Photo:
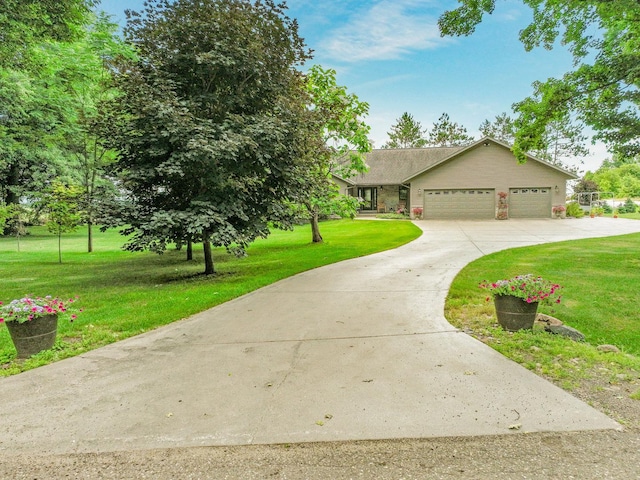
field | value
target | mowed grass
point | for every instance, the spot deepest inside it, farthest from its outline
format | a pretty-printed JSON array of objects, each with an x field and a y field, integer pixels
[
  {"x": 600, "y": 298},
  {"x": 123, "y": 294}
]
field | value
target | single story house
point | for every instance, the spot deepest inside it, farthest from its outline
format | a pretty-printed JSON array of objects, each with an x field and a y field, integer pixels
[{"x": 459, "y": 182}]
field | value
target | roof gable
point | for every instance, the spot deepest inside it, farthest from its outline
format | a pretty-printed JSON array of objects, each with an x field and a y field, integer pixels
[
  {"x": 483, "y": 142},
  {"x": 395, "y": 166}
]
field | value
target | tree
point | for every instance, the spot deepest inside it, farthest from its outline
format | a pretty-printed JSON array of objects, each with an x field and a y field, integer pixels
[
  {"x": 87, "y": 83},
  {"x": 502, "y": 128},
  {"x": 343, "y": 143},
  {"x": 210, "y": 124},
  {"x": 33, "y": 103},
  {"x": 25, "y": 23},
  {"x": 446, "y": 133},
  {"x": 406, "y": 133},
  {"x": 60, "y": 202},
  {"x": 602, "y": 91},
  {"x": 561, "y": 141}
]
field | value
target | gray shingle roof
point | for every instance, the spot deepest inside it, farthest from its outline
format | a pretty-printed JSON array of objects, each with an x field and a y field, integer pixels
[{"x": 392, "y": 166}]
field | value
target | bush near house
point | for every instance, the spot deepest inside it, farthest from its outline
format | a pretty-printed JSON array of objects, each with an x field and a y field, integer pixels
[{"x": 574, "y": 210}]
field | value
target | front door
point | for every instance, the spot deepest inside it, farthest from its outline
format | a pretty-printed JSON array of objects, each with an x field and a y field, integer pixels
[{"x": 369, "y": 195}]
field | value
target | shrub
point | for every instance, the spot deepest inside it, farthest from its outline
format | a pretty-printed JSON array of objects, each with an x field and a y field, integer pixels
[
  {"x": 574, "y": 210},
  {"x": 628, "y": 207}
]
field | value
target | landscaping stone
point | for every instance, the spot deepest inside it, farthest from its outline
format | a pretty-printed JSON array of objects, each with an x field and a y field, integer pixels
[
  {"x": 566, "y": 331},
  {"x": 547, "y": 319},
  {"x": 608, "y": 348}
]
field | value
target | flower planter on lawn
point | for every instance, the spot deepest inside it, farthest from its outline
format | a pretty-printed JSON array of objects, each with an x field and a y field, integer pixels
[
  {"x": 33, "y": 336},
  {"x": 515, "y": 313}
]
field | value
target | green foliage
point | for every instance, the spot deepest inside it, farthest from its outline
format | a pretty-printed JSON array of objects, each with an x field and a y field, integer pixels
[
  {"x": 502, "y": 128},
  {"x": 628, "y": 207},
  {"x": 406, "y": 133},
  {"x": 212, "y": 124},
  {"x": 602, "y": 90},
  {"x": 446, "y": 133},
  {"x": 124, "y": 294},
  {"x": 60, "y": 202},
  {"x": 623, "y": 180},
  {"x": 339, "y": 143},
  {"x": 574, "y": 210},
  {"x": 25, "y": 23}
]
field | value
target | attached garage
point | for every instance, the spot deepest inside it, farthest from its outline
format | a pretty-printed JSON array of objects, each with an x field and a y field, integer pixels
[
  {"x": 529, "y": 202},
  {"x": 459, "y": 203}
]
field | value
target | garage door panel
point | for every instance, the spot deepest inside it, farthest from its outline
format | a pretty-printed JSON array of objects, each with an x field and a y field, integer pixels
[
  {"x": 530, "y": 202},
  {"x": 459, "y": 203}
]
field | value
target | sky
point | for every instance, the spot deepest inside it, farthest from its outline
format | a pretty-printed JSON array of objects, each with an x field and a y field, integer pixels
[{"x": 391, "y": 55}]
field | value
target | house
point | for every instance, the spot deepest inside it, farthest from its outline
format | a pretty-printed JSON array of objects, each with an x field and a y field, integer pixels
[{"x": 458, "y": 182}]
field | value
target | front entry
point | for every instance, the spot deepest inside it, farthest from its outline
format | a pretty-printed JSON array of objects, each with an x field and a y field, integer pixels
[{"x": 369, "y": 195}]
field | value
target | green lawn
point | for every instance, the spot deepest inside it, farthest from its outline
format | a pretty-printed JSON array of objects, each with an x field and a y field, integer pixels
[
  {"x": 600, "y": 279},
  {"x": 124, "y": 294}
]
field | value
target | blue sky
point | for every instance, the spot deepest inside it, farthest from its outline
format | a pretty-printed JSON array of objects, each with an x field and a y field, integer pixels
[{"x": 390, "y": 54}]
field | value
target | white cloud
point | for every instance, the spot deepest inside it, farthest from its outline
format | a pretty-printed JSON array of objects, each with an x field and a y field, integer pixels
[{"x": 387, "y": 31}]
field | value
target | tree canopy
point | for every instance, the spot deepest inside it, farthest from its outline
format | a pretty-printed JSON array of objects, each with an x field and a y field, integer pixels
[
  {"x": 602, "y": 90},
  {"x": 562, "y": 143},
  {"x": 406, "y": 133},
  {"x": 446, "y": 133},
  {"x": 210, "y": 125}
]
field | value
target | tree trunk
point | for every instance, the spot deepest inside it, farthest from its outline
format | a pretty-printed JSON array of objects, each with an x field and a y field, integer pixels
[
  {"x": 208, "y": 257},
  {"x": 89, "y": 236},
  {"x": 315, "y": 229},
  {"x": 11, "y": 198},
  {"x": 189, "y": 250}
]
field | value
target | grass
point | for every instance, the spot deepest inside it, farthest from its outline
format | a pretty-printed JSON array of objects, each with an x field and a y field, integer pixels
[
  {"x": 124, "y": 294},
  {"x": 600, "y": 298}
]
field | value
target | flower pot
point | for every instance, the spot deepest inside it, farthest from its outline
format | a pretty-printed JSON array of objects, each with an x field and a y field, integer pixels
[
  {"x": 515, "y": 313},
  {"x": 33, "y": 336}
]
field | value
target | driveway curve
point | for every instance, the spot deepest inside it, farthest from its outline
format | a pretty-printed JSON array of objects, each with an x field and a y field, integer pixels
[{"x": 351, "y": 351}]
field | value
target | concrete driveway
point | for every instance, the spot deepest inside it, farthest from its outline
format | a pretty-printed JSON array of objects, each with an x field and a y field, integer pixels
[{"x": 355, "y": 350}]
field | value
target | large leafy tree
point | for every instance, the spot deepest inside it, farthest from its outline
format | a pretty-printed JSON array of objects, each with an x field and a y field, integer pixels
[
  {"x": 446, "y": 133},
  {"x": 33, "y": 102},
  {"x": 25, "y": 23},
  {"x": 209, "y": 126},
  {"x": 341, "y": 143},
  {"x": 602, "y": 90},
  {"x": 406, "y": 133}
]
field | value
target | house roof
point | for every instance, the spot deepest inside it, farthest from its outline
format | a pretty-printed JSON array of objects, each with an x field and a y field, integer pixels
[
  {"x": 393, "y": 166},
  {"x": 399, "y": 165}
]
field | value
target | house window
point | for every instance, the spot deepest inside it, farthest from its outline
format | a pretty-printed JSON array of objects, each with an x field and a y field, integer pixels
[{"x": 403, "y": 194}]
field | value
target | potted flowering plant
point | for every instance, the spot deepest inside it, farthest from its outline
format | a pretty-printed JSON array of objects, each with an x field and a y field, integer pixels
[
  {"x": 33, "y": 322},
  {"x": 516, "y": 299},
  {"x": 417, "y": 212},
  {"x": 558, "y": 211}
]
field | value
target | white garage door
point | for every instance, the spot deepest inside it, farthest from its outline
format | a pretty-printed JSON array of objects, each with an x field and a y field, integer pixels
[
  {"x": 529, "y": 202},
  {"x": 467, "y": 203}
]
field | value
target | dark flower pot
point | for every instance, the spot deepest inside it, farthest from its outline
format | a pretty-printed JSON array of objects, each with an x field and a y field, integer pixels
[
  {"x": 515, "y": 313},
  {"x": 33, "y": 336}
]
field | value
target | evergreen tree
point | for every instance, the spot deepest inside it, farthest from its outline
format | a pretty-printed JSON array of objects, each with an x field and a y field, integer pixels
[
  {"x": 446, "y": 133},
  {"x": 406, "y": 133}
]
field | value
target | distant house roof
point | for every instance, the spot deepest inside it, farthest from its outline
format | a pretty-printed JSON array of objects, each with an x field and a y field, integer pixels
[{"x": 396, "y": 166}]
